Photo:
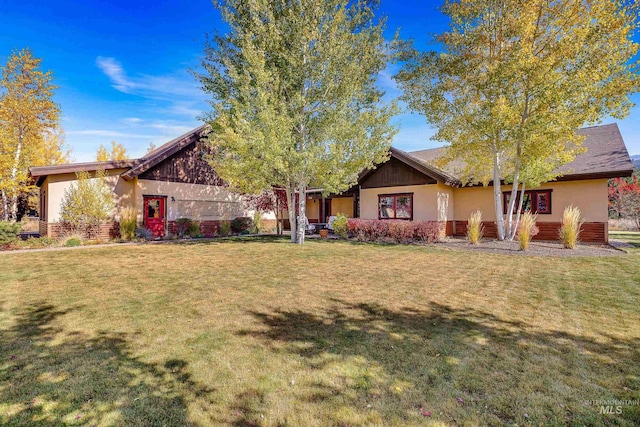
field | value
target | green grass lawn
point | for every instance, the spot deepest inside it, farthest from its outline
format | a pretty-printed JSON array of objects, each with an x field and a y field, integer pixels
[
  {"x": 262, "y": 332},
  {"x": 630, "y": 237}
]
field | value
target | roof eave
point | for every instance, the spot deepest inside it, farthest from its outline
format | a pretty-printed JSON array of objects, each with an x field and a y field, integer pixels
[
  {"x": 625, "y": 173},
  {"x": 40, "y": 173}
]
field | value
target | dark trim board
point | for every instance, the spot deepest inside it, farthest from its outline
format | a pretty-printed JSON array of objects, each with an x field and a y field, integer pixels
[
  {"x": 591, "y": 232},
  {"x": 415, "y": 173}
]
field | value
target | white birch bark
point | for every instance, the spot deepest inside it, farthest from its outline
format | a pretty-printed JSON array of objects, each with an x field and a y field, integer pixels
[
  {"x": 517, "y": 223},
  {"x": 510, "y": 228},
  {"x": 497, "y": 196},
  {"x": 302, "y": 212},
  {"x": 13, "y": 208},
  {"x": 5, "y": 206},
  {"x": 291, "y": 203}
]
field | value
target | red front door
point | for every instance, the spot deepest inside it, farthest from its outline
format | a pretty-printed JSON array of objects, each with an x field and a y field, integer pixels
[{"x": 154, "y": 210}]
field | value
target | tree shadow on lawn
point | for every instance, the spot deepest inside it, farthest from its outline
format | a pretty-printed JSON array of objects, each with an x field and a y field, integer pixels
[
  {"x": 463, "y": 366},
  {"x": 47, "y": 378}
]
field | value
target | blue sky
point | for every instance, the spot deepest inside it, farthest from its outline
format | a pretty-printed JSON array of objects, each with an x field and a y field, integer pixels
[{"x": 122, "y": 67}]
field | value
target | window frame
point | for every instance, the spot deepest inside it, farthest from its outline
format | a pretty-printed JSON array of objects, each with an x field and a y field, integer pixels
[
  {"x": 43, "y": 205},
  {"x": 533, "y": 196},
  {"x": 395, "y": 206}
]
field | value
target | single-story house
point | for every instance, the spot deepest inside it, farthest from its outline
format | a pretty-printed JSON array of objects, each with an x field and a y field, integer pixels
[
  {"x": 171, "y": 182},
  {"x": 174, "y": 181}
]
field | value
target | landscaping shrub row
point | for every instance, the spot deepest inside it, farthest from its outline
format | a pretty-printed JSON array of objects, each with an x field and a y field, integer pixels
[{"x": 399, "y": 231}]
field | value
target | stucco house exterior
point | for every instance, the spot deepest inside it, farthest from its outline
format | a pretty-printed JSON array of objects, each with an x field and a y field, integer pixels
[
  {"x": 171, "y": 182},
  {"x": 174, "y": 181}
]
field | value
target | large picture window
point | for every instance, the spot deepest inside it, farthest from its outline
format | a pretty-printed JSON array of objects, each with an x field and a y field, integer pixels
[
  {"x": 395, "y": 206},
  {"x": 535, "y": 201}
]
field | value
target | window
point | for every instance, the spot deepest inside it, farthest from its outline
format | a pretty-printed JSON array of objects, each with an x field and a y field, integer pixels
[
  {"x": 536, "y": 201},
  {"x": 153, "y": 209},
  {"x": 43, "y": 205},
  {"x": 395, "y": 206}
]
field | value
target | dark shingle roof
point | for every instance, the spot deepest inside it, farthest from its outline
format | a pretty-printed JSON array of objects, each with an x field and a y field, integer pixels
[
  {"x": 606, "y": 156},
  {"x": 606, "y": 153}
]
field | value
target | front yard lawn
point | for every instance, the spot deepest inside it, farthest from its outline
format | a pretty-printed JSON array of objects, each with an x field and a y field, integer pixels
[
  {"x": 631, "y": 238},
  {"x": 262, "y": 332}
]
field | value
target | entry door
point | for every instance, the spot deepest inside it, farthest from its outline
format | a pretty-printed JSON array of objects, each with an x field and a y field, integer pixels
[
  {"x": 327, "y": 210},
  {"x": 154, "y": 213}
]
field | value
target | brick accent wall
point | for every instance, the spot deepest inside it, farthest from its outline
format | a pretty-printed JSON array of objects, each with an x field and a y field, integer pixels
[
  {"x": 207, "y": 228},
  {"x": 210, "y": 228},
  {"x": 591, "y": 232},
  {"x": 108, "y": 230}
]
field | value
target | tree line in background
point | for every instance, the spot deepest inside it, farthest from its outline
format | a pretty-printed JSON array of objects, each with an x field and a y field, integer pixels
[{"x": 624, "y": 198}]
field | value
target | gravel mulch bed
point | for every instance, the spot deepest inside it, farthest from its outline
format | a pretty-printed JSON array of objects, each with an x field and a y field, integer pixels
[{"x": 536, "y": 248}]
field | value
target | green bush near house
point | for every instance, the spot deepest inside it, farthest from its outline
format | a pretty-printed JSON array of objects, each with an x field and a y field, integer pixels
[
  {"x": 194, "y": 229},
  {"x": 225, "y": 228},
  {"x": 38, "y": 242},
  {"x": 87, "y": 203},
  {"x": 9, "y": 232},
  {"x": 182, "y": 225},
  {"x": 72, "y": 242},
  {"x": 241, "y": 223},
  {"x": 339, "y": 225}
]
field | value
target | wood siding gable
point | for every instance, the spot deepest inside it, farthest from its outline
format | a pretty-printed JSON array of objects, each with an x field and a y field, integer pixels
[
  {"x": 186, "y": 166},
  {"x": 395, "y": 173}
]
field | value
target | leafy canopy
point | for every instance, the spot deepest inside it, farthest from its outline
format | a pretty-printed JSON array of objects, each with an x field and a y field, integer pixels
[
  {"x": 293, "y": 93},
  {"x": 515, "y": 80},
  {"x": 28, "y": 117}
]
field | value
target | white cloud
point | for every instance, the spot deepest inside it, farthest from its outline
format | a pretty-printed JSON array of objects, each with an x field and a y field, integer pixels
[
  {"x": 149, "y": 86},
  {"x": 132, "y": 120},
  {"x": 113, "y": 69}
]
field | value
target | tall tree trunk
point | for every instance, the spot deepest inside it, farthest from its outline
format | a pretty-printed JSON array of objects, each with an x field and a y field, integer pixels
[
  {"x": 302, "y": 212},
  {"x": 517, "y": 223},
  {"x": 13, "y": 208},
  {"x": 5, "y": 206},
  {"x": 291, "y": 203},
  {"x": 497, "y": 196},
  {"x": 278, "y": 219},
  {"x": 510, "y": 228}
]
